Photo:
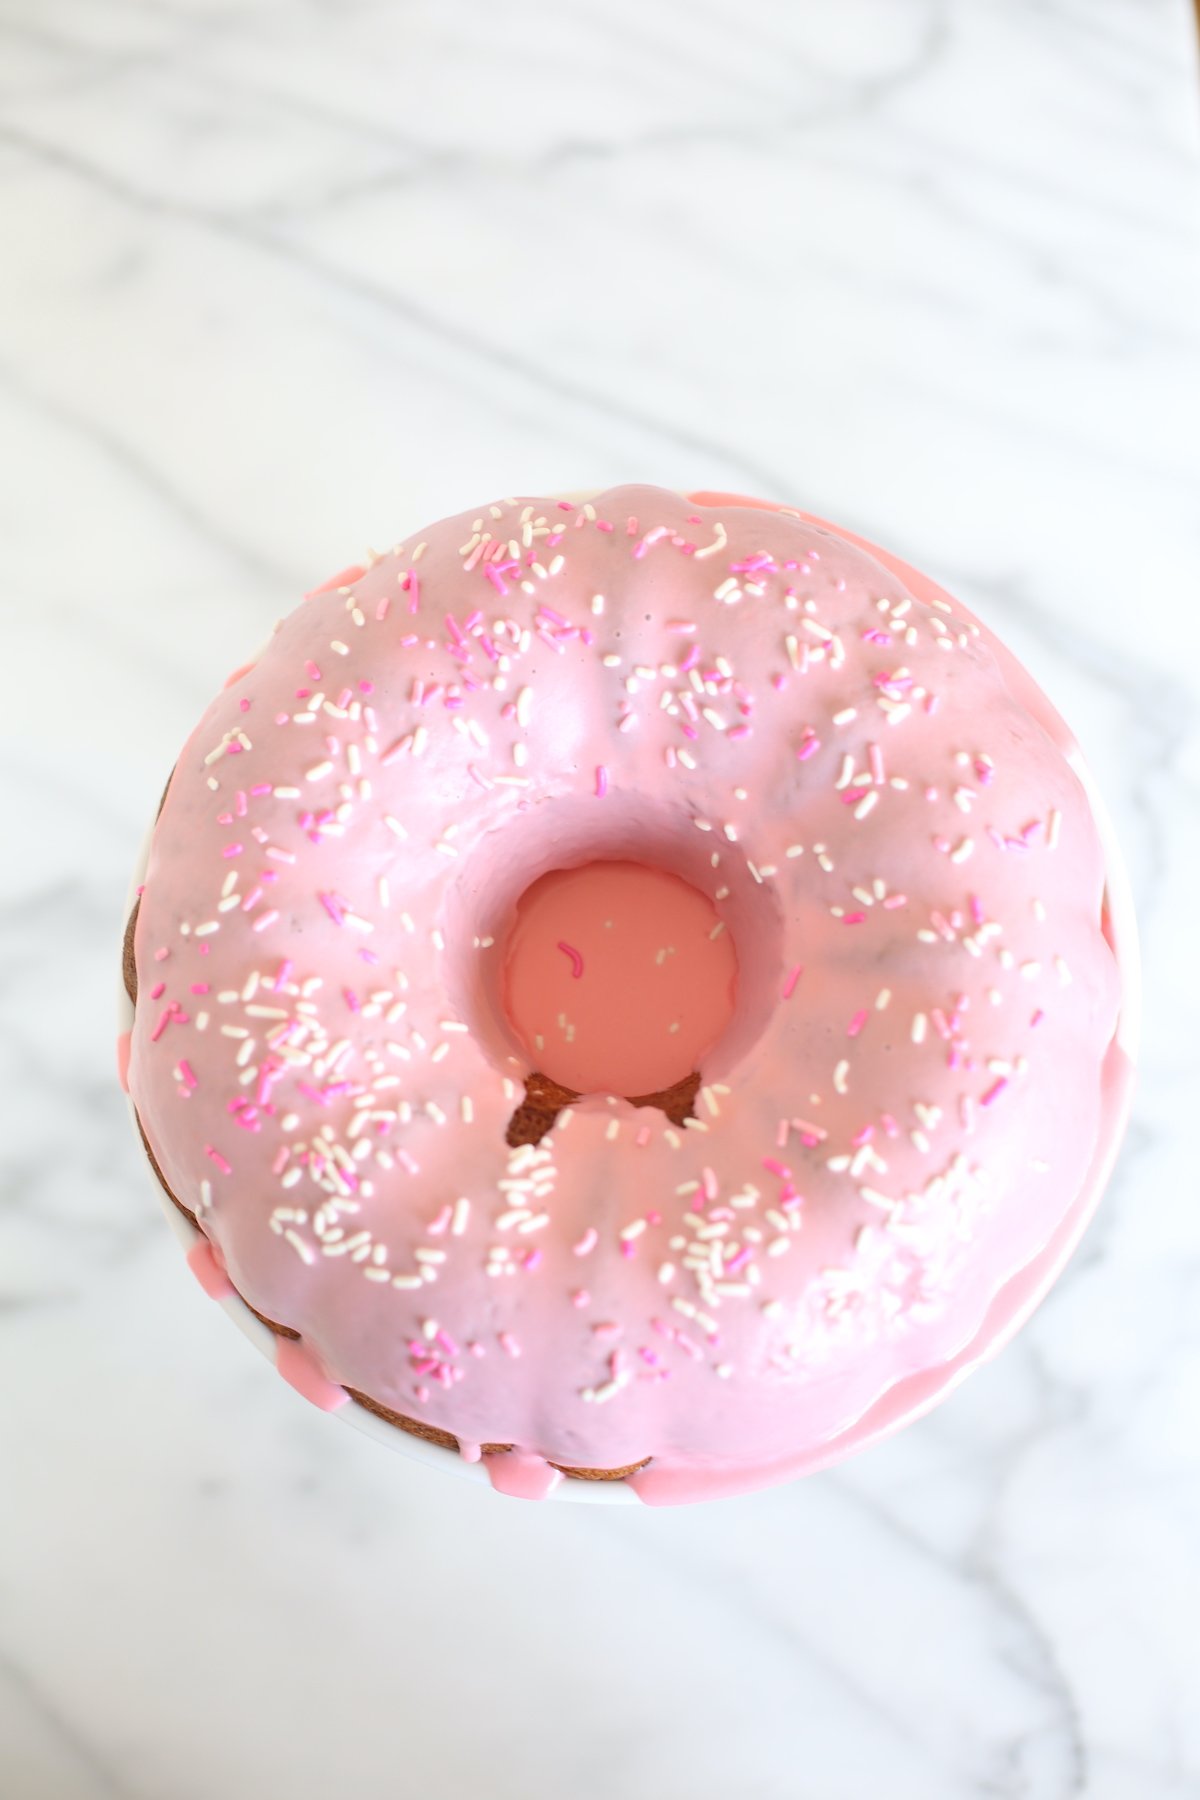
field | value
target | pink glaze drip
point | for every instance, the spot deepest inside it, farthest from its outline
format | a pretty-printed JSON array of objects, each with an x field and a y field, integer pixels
[
  {"x": 613, "y": 979},
  {"x": 204, "y": 1260},
  {"x": 521, "y": 1475},
  {"x": 124, "y": 1041},
  {"x": 301, "y": 1370},
  {"x": 843, "y": 763}
]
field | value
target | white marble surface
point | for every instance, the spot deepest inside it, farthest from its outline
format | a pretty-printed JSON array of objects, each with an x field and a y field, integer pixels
[{"x": 279, "y": 279}]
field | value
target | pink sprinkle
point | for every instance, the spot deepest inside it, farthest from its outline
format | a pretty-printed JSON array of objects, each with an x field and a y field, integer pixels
[
  {"x": 215, "y": 1156},
  {"x": 576, "y": 958},
  {"x": 1038, "y": 1016},
  {"x": 199, "y": 987},
  {"x": 793, "y": 976},
  {"x": 601, "y": 781},
  {"x": 334, "y": 907},
  {"x": 186, "y": 1075},
  {"x": 164, "y": 1019},
  {"x": 531, "y": 1259},
  {"x": 232, "y": 850},
  {"x": 580, "y": 1298},
  {"x": 809, "y": 747},
  {"x": 857, "y": 1022},
  {"x": 776, "y": 1168},
  {"x": 158, "y": 990},
  {"x": 995, "y": 1091},
  {"x": 508, "y": 1343},
  {"x": 285, "y": 969},
  {"x": 854, "y": 918}
]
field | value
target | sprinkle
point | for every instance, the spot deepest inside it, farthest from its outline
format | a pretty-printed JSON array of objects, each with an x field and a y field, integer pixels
[
  {"x": 601, "y": 781},
  {"x": 1052, "y": 829},
  {"x": 857, "y": 1022},
  {"x": 839, "y": 1077},
  {"x": 216, "y": 1157},
  {"x": 793, "y": 976},
  {"x": 844, "y": 717},
  {"x": 868, "y": 803},
  {"x": 590, "y": 1238},
  {"x": 994, "y": 1092},
  {"x": 575, "y": 957},
  {"x": 318, "y": 771}
]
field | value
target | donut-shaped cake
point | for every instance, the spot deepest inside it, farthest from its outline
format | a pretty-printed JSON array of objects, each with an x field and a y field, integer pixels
[{"x": 624, "y": 988}]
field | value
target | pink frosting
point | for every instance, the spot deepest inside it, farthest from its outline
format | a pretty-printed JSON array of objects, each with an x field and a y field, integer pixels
[
  {"x": 903, "y": 1128},
  {"x": 204, "y": 1260},
  {"x": 301, "y": 1370}
]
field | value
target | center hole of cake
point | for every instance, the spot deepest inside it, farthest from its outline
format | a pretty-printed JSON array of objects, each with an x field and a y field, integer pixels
[{"x": 618, "y": 977}]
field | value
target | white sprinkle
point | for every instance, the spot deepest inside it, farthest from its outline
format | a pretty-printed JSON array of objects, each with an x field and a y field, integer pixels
[
  {"x": 868, "y": 803},
  {"x": 839, "y": 1077},
  {"x": 318, "y": 771}
]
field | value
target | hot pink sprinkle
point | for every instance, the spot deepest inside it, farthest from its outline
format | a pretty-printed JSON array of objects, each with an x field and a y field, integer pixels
[
  {"x": 576, "y": 958},
  {"x": 857, "y": 1022},
  {"x": 854, "y": 918},
  {"x": 158, "y": 990},
  {"x": 995, "y": 1091},
  {"x": 215, "y": 1156},
  {"x": 793, "y": 976},
  {"x": 186, "y": 1075},
  {"x": 776, "y": 1168}
]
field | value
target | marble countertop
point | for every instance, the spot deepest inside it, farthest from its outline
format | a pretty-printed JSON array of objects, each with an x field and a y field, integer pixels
[{"x": 284, "y": 279}]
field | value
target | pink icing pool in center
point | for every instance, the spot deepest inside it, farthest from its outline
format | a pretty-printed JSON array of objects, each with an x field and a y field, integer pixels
[{"x": 618, "y": 977}]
